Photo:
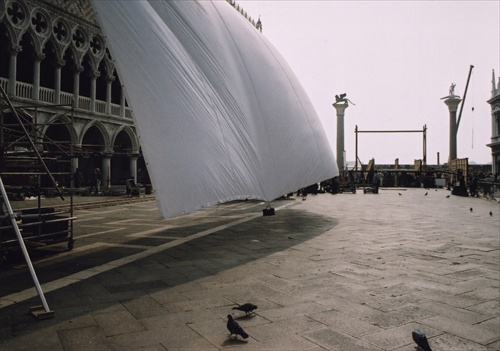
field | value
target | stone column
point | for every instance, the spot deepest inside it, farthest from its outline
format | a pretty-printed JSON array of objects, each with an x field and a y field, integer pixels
[
  {"x": 14, "y": 50},
  {"x": 93, "y": 80},
  {"x": 122, "y": 102},
  {"x": 76, "y": 84},
  {"x": 133, "y": 166},
  {"x": 106, "y": 171},
  {"x": 57, "y": 81},
  {"x": 109, "y": 82},
  {"x": 340, "y": 107},
  {"x": 452, "y": 102},
  {"x": 35, "y": 94}
]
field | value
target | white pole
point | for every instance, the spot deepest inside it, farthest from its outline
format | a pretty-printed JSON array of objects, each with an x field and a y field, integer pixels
[{"x": 12, "y": 217}]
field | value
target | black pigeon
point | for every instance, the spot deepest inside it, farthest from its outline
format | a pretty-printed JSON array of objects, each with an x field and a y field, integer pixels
[
  {"x": 491, "y": 213},
  {"x": 421, "y": 340},
  {"x": 249, "y": 307},
  {"x": 234, "y": 327},
  {"x": 471, "y": 209},
  {"x": 447, "y": 196},
  {"x": 425, "y": 194},
  {"x": 399, "y": 193}
]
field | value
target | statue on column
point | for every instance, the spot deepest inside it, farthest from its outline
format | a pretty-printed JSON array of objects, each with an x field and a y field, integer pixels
[
  {"x": 452, "y": 89},
  {"x": 342, "y": 98}
]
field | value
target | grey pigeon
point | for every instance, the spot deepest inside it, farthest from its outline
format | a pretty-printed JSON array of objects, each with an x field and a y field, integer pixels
[
  {"x": 421, "y": 340},
  {"x": 234, "y": 327},
  {"x": 249, "y": 307}
]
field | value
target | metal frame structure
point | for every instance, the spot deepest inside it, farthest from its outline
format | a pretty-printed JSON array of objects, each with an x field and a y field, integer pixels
[
  {"x": 423, "y": 131},
  {"x": 43, "y": 226}
]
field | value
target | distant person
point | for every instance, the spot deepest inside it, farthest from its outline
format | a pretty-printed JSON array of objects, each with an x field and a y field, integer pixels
[
  {"x": 77, "y": 178},
  {"x": 381, "y": 179},
  {"x": 488, "y": 185},
  {"x": 474, "y": 186},
  {"x": 96, "y": 181}
]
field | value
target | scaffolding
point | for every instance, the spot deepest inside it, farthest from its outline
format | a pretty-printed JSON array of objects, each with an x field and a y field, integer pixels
[{"x": 29, "y": 165}]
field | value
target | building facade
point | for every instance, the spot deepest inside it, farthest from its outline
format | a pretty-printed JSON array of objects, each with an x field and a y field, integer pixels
[
  {"x": 53, "y": 56},
  {"x": 495, "y": 124}
]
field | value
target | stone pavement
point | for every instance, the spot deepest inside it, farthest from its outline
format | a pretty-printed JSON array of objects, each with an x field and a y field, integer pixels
[{"x": 333, "y": 272}]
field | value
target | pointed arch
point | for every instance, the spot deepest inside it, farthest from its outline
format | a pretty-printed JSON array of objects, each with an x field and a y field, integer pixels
[
  {"x": 68, "y": 70},
  {"x": 48, "y": 65},
  {"x": 5, "y": 44},
  {"x": 131, "y": 134},
  {"x": 104, "y": 144},
  {"x": 25, "y": 59},
  {"x": 65, "y": 121}
]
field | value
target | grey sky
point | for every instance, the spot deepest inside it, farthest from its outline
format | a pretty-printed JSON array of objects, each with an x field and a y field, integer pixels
[{"x": 395, "y": 60}]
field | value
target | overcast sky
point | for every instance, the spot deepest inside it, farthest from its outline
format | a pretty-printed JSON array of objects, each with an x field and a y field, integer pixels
[{"x": 395, "y": 60}]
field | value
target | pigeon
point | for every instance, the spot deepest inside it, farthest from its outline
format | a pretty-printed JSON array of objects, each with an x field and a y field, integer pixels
[
  {"x": 447, "y": 196},
  {"x": 421, "y": 340},
  {"x": 491, "y": 213},
  {"x": 234, "y": 327},
  {"x": 425, "y": 194},
  {"x": 249, "y": 307},
  {"x": 471, "y": 209},
  {"x": 399, "y": 194}
]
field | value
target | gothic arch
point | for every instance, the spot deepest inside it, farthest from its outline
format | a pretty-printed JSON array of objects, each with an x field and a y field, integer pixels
[
  {"x": 17, "y": 15},
  {"x": 97, "y": 48},
  {"x": 40, "y": 28},
  {"x": 48, "y": 64},
  {"x": 67, "y": 71},
  {"x": 106, "y": 146},
  {"x": 61, "y": 33},
  {"x": 79, "y": 42},
  {"x": 108, "y": 63},
  {"x": 101, "y": 81},
  {"x": 24, "y": 59},
  {"x": 64, "y": 120},
  {"x": 5, "y": 44},
  {"x": 133, "y": 138}
]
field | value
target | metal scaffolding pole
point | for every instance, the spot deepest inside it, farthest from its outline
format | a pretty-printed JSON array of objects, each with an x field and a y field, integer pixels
[{"x": 35, "y": 310}]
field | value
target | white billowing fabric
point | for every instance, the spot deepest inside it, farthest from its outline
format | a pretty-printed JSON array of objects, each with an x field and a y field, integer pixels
[{"x": 219, "y": 113}]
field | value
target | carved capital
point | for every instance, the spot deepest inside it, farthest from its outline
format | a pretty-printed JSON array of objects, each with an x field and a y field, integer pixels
[
  {"x": 15, "y": 49},
  {"x": 94, "y": 74},
  {"x": 38, "y": 56}
]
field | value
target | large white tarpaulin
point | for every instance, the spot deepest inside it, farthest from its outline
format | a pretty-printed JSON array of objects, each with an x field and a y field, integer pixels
[{"x": 219, "y": 113}]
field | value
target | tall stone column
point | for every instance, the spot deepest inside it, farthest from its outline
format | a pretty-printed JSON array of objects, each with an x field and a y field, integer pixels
[
  {"x": 133, "y": 166},
  {"x": 452, "y": 101},
  {"x": 76, "y": 84},
  {"x": 93, "y": 81},
  {"x": 340, "y": 107},
  {"x": 122, "y": 102},
  {"x": 57, "y": 81},
  {"x": 106, "y": 171},
  {"x": 109, "y": 85},
  {"x": 14, "y": 50},
  {"x": 35, "y": 94}
]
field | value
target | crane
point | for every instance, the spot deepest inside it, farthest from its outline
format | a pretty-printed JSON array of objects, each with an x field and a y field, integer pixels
[{"x": 463, "y": 101}]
